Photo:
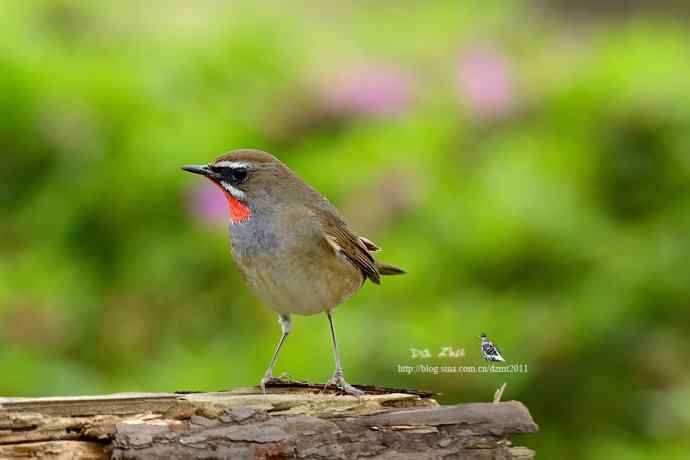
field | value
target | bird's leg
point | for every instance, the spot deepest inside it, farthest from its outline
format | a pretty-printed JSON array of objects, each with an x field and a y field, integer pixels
[
  {"x": 286, "y": 327},
  {"x": 338, "y": 378}
]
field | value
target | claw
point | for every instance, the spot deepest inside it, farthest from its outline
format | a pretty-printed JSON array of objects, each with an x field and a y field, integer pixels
[
  {"x": 338, "y": 381},
  {"x": 264, "y": 381},
  {"x": 270, "y": 380}
]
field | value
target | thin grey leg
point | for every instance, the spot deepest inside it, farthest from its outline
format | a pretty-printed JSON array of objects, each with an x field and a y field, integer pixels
[
  {"x": 286, "y": 327},
  {"x": 338, "y": 378}
]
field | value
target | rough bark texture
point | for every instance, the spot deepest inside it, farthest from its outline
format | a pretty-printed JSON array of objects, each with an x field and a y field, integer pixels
[{"x": 291, "y": 421}]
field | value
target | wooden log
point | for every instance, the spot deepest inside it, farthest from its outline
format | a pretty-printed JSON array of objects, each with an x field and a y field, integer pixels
[{"x": 291, "y": 421}]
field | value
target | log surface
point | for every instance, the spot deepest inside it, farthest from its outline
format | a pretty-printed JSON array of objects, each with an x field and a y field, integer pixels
[{"x": 291, "y": 421}]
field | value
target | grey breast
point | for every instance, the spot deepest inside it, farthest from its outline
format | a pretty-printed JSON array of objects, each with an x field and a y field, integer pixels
[{"x": 254, "y": 237}]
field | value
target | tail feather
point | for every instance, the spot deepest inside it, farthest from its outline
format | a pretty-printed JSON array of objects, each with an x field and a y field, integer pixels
[{"x": 386, "y": 269}]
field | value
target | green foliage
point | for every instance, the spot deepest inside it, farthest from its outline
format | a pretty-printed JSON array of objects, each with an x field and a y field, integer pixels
[{"x": 559, "y": 227}]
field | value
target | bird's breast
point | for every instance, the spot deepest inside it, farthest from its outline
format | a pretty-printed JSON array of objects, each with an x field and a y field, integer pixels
[
  {"x": 254, "y": 237},
  {"x": 291, "y": 271}
]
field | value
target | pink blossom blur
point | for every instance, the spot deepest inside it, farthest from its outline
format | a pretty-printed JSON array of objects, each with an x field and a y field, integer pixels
[
  {"x": 371, "y": 90},
  {"x": 207, "y": 204},
  {"x": 485, "y": 81}
]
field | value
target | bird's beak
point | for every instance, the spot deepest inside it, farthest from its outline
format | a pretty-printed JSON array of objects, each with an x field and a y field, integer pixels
[{"x": 201, "y": 170}]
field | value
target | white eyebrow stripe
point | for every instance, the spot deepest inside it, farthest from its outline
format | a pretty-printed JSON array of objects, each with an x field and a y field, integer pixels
[{"x": 232, "y": 164}]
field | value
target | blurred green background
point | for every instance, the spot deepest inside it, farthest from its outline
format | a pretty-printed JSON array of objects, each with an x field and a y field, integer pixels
[{"x": 527, "y": 162}]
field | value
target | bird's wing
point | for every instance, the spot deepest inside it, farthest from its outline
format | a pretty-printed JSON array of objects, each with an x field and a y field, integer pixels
[
  {"x": 370, "y": 245},
  {"x": 353, "y": 247}
]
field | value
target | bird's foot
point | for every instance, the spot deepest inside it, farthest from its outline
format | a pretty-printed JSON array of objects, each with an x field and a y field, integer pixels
[
  {"x": 338, "y": 381},
  {"x": 268, "y": 379}
]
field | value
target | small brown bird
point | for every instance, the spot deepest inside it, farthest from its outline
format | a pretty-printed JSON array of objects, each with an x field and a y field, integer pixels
[{"x": 291, "y": 244}]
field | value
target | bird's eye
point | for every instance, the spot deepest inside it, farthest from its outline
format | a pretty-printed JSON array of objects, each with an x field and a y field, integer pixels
[
  {"x": 238, "y": 176},
  {"x": 235, "y": 176}
]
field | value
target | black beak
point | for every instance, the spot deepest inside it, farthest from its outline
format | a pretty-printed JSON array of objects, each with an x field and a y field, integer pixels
[{"x": 201, "y": 170}]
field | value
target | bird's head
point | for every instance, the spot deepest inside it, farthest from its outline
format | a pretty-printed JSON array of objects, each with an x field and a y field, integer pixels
[{"x": 250, "y": 179}]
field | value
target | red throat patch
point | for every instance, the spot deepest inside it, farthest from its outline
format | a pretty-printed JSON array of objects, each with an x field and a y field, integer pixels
[{"x": 238, "y": 212}]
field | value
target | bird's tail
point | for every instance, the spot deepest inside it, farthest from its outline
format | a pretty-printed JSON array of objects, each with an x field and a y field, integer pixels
[{"x": 386, "y": 269}]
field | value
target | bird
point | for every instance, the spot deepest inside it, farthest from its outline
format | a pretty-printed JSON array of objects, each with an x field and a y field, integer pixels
[
  {"x": 291, "y": 245},
  {"x": 489, "y": 350}
]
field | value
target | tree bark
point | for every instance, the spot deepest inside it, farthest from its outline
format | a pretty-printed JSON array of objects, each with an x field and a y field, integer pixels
[{"x": 291, "y": 421}]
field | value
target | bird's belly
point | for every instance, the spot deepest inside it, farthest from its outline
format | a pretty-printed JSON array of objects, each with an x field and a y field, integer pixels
[
  {"x": 304, "y": 285},
  {"x": 306, "y": 290}
]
